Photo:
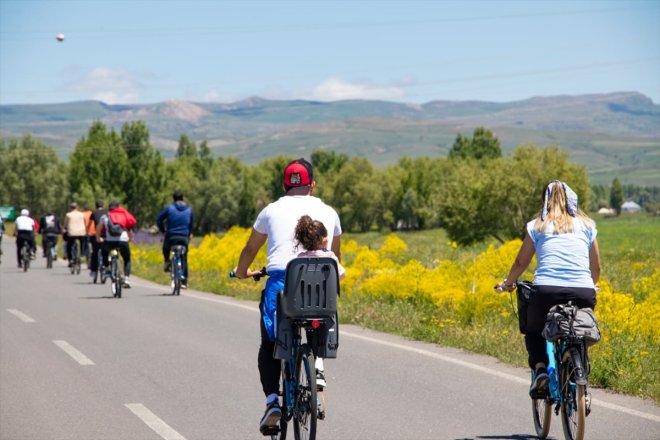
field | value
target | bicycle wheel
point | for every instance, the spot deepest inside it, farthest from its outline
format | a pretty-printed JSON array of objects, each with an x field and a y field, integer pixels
[
  {"x": 115, "y": 275},
  {"x": 74, "y": 255},
  {"x": 305, "y": 411},
  {"x": 573, "y": 406},
  {"x": 49, "y": 255},
  {"x": 542, "y": 414},
  {"x": 25, "y": 257},
  {"x": 175, "y": 282}
]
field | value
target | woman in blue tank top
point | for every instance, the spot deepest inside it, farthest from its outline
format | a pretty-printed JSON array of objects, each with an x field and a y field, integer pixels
[{"x": 568, "y": 267}]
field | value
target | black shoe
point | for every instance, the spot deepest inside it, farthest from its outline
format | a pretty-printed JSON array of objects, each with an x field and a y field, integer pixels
[
  {"x": 539, "y": 387},
  {"x": 167, "y": 267},
  {"x": 270, "y": 422}
]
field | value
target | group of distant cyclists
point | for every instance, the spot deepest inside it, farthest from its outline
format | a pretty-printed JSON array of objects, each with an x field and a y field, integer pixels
[{"x": 103, "y": 229}]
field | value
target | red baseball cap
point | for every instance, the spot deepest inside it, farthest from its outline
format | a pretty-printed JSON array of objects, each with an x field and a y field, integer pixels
[{"x": 298, "y": 173}]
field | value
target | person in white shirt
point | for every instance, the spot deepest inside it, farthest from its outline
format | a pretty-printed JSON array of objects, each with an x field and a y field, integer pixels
[
  {"x": 24, "y": 231},
  {"x": 276, "y": 223}
]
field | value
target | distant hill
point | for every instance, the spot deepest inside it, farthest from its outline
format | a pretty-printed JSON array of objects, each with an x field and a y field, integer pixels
[{"x": 615, "y": 134}]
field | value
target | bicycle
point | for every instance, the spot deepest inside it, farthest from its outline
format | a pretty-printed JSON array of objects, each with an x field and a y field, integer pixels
[
  {"x": 26, "y": 255},
  {"x": 309, "y": 302},
  {"x": 568, "y": 369},
  {"x": 116, "y": 275},
  {"x": 75, "y": 259},
  {"x": 51, "y": 250},
  {"x": 177, "y": 279}
]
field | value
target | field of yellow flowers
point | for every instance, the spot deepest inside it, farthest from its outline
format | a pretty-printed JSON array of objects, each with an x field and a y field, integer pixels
[{"x": 451, "y": 301}]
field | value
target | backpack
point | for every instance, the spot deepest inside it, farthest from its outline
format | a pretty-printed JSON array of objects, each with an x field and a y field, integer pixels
[
  {"x": 114, "y": 229},
  {"x": 563, "y": 320}
]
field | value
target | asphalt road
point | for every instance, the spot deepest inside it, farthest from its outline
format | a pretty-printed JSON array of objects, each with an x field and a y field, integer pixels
[{"x": 76, "y": 364}]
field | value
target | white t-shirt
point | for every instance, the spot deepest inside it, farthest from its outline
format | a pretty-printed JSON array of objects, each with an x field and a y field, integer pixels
[
  {"x": 278, "y": 220},
  {"x": 24, "y": 223}
]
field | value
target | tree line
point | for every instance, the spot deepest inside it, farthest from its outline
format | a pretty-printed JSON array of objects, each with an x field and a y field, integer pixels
[{"x": 474, "y": 193}]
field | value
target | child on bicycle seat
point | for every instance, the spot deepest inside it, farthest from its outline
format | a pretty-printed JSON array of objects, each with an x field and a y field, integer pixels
[{"x": 312, "y": 236}]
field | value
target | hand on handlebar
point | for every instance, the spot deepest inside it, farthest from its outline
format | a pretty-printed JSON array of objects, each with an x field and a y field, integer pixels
[
  {"x": 249, "y": 273},
  {"x": 502, "y": 286}
]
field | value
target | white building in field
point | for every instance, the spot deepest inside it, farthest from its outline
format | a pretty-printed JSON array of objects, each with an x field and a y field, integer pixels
[
  {"x": 630, "y": 207},
  {"x": 606, "y": 211}
]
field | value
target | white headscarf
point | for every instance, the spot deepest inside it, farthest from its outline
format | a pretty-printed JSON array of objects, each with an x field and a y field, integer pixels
[{"x": 571, "y": 199}]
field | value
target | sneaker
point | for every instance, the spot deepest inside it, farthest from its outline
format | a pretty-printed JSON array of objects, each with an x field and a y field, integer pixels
[
  {"x": 539, "y": 386},
  {"x": 320, "y": 380},
  {"x": 33, "y": 256},
  {"x": 184, "y": 285},
  {"x": 126, "y": 284},
  {"x": 167, "y": 267},
  {"x": 270, "y": 422}
]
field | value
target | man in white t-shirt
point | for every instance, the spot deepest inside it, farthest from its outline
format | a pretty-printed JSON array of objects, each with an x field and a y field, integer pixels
[
  {"x": 276, "y": 223},
  {"x": 24, "y": 229}
]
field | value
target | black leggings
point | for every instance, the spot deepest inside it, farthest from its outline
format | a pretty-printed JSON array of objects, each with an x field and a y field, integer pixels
[
  {"x": 124, "y": 251},
  {"x": 540, "y": 301}
]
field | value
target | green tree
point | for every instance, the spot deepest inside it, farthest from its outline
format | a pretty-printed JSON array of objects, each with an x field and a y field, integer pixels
[
  {"x": 483, "y": 145},
  {"x": 186, "y": 147},
  {"x": 497, "y": 198},
  {"x": 98, "y": 166},
  {"x": 616, "y": 196},
  {"x": 145, "y": 179},
  {"x": 31, "y": 176},
  {"x": 356, "y": 195}
]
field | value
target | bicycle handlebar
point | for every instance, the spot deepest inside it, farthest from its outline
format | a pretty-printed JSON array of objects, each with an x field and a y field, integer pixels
[{"x": 262, "y": 273}]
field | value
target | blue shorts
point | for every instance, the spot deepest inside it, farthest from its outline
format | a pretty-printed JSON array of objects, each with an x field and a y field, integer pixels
[{"x": 274, "y": 284}]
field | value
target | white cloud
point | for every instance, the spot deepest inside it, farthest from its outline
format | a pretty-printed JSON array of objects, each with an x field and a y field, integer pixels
[
  {"x": 334, "y": 89},
  {"x": 110, "y": 86}
]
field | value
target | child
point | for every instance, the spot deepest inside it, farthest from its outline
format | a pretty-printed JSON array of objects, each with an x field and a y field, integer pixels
[{"x": 312, "y": 236}]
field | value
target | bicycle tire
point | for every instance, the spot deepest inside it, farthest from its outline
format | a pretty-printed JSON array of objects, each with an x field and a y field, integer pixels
[
  {"x": 49, "y": 256},
  {"x": 175, "y": 282},
  {"x": 25, "y": 257},
  {"x": 115, "y": 276},
  {"x": 74, "y": 254},
  {"x": 573, "y": 406},
  {"x": 305, "y": 411},
  {"x": 542, "y": 415}
]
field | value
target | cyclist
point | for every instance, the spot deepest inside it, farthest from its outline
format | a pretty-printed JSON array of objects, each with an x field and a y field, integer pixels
[
  {"x": 74, "y": 228},
  {"x": 87, "y": 215},
  {"x": 117, "y": 216},
  {"x": 92, "y": 224},
  {"x": 568, "y": 267},
  {"x": 50, "y": 229},
  {"x": 276, "y": 223},
  {"x": 2, "y": 232},
  {"x": 175, "y": 221},
  {"x": 24, "y": 229}
]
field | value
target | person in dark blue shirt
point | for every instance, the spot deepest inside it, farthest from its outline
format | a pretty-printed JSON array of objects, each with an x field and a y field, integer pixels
[{"x": 175, "y": 221}]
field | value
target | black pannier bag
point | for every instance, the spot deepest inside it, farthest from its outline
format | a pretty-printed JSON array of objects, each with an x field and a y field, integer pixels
[
  {"x": 311, "y": 287},
  {"x": 564, "y": 320},
  {"x": 523, "y": 293}
]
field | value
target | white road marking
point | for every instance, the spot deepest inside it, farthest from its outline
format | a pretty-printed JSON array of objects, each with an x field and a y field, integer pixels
[
  {"x": 75, "y": 354},
  {"x": 20, "y": 315},
  {"x": 444, "y": 358},
  {"x": 154, "y": 422}
]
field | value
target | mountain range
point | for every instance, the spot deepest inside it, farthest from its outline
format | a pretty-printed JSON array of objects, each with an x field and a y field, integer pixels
[{"x": 613, "y": 135}]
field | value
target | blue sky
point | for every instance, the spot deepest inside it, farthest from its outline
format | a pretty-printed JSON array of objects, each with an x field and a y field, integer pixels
[{"x": 406, "y": 51}]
